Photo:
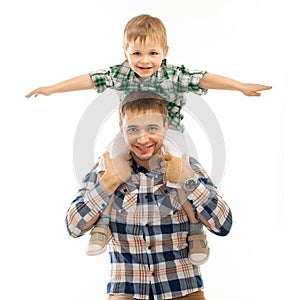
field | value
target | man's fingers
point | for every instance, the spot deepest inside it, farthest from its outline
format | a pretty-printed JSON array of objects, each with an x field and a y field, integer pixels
[
  {"x": 163, "y": 163},
  {"x": 106, "y": 155},
  {"x": 163, "y": 169},
  {"x": 167, "y": 157}
]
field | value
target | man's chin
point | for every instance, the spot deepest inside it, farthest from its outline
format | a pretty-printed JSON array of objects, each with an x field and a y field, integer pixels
[{"x": 142, "y": 157}]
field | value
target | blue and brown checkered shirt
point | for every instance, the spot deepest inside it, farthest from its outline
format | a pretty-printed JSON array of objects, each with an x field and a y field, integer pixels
[
  {"x": 149, "y": 227},
  {"x": 169, "y": 81}
]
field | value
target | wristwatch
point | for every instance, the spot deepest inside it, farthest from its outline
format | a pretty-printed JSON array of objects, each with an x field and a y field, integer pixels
[{"x": 190, "y": 184}]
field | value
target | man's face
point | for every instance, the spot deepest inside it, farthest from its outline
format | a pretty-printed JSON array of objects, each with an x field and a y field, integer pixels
[
  {"x": 145, "y": 57},
  {"x": 144, "y": 133}
]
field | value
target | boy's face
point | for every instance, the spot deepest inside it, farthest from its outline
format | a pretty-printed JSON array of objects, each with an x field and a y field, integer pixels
[
  {"x": 144, "y": 133},
  {"x": 145, "y": 57}
]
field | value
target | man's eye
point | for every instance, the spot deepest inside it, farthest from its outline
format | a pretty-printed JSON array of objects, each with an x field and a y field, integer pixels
[
  {"x": 131, "y": 130},
  {"x": 152, "y": 129}
]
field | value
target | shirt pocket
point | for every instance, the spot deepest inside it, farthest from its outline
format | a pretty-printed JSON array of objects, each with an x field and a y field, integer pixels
[
  {"x": 125, "y": 201},
  {"x": 167, "y": 201}
]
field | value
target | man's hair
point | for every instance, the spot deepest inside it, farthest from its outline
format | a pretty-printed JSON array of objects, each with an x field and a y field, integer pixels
[
  {"x": 143, "y": 101},
  {"x": 143, "y": 26}
]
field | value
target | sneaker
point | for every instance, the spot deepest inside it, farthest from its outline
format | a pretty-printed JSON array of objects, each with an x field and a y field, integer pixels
[
  {"x": 98, "y": 241},
  {"x": 198, "y": 248}
]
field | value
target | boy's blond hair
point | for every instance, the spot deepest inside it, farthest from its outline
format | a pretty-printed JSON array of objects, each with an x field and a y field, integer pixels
[{"x": 143, "y": 26}]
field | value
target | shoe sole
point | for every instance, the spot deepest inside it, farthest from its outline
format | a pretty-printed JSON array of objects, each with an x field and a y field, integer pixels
[{"x": 97, "y": 252}]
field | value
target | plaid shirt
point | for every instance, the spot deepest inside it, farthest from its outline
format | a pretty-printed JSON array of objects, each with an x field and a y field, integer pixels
[
  {"x": 169, "y": 81},
  {"x": 150, "y": 228}
]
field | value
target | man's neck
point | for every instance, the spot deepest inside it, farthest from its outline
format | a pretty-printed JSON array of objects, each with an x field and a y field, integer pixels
[{"x": 149, "y": 164}]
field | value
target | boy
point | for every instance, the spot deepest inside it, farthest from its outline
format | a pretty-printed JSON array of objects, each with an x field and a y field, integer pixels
[{"x": 145, "y": 68}]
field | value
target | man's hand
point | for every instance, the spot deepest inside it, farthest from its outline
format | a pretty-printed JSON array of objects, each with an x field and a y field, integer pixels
[
  {"x": 177, "y": 170},
  {"x": 250, "y": 89},
  {"x": 116, "y": 172}
]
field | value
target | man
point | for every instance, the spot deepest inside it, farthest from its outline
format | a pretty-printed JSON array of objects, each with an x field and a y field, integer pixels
[{"x": 148, "y": 249}]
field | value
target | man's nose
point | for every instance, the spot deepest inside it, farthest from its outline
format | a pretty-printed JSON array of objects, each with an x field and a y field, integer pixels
[{"x": 143, "y": 138}]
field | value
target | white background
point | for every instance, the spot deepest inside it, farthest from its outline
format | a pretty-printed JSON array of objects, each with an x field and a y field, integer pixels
[{"x": 46, "y": 42}]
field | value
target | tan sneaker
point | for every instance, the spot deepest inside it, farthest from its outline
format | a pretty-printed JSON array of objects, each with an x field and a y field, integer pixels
[
  {"x": 97, "y": 244},
  {"x": 198, "y": 248}
]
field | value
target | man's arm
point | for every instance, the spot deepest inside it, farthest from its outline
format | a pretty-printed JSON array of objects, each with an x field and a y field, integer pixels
[
  {"x": 95, "y": 194},
  {"x": 213, "y": 81},
  {"x": 82, "y": 82},
  {"x": 212, "y": 210}
]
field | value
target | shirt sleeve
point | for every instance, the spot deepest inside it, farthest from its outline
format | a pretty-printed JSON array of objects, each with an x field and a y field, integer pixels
[
  {"x": 188, "y": 81},
  {"x": 209, "y": 203},
  {"x": 102, "y": 80},
  {"x": 90, "y": 200}
]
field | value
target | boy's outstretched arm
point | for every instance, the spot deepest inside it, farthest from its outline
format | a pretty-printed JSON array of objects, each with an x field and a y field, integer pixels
[
  {"x": 213, "y": 81},
  {"x": 82, "y": 82}
]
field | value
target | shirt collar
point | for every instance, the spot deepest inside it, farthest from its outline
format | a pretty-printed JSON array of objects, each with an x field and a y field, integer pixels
[{"x": 155, "y": 173}]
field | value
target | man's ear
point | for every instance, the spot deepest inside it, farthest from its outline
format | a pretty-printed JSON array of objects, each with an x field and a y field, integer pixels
[
  {"x": 121, "y": 126},
  {"x": 166, "y": 124}
]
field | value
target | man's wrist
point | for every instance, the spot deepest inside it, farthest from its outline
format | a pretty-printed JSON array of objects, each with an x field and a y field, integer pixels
[{"x": 190, "y": 183}]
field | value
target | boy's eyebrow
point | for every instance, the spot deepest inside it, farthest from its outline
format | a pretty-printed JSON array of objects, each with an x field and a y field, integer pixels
[{"x": 139, "y": 50}]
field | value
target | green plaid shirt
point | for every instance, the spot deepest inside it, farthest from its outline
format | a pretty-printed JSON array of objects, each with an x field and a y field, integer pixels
[{"x": 169, "y": 81}]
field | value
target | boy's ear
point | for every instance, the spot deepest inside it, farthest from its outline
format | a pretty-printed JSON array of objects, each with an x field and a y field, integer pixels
[
  {"x": 166, "y": 52},
  {"x": 125, "y": 54}
]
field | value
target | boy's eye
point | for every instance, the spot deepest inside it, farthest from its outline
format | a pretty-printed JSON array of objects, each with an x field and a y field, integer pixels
[
  {"x": 153, "y": 53},
  {"x": 136, "y": 53}
]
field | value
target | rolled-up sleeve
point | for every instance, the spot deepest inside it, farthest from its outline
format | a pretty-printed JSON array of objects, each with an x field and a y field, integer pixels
[
  {"x": 90, "y": 200},
  {"x": 188, "y": 80},
  {"x": 102, "y": 80},
  {"x": 209, "y": 203}
]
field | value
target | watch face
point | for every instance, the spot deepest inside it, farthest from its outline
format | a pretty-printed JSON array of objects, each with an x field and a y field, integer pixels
[{"x": 190, "y": 184}]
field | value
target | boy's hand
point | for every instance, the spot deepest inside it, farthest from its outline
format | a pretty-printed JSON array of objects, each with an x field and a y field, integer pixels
[
  {"x": 116, "y": 172},
  {"x": 177, "y": 170},
  {"x": 250, "y": 89},
  {"x": 46, "y": 91}
]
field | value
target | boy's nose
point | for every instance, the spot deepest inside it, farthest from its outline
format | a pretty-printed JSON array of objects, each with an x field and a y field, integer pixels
[{"x": 145, "y": 59}]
